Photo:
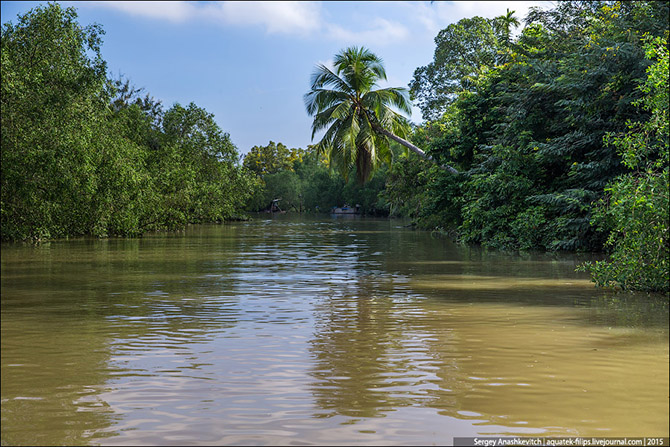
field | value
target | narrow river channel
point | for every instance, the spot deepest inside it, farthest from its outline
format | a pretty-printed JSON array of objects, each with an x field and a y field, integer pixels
[{"x": 318, "y": 331}]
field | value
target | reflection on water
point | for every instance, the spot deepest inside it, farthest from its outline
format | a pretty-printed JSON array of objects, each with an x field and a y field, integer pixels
[{"x": 318, "y": 332}]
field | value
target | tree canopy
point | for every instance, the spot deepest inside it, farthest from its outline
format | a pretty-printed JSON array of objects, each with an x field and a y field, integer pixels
[
  {"x": 85, "y": 155},
  {"x": 272, "y": 158}
]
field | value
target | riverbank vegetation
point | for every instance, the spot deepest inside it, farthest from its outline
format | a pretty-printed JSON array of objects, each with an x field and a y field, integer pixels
[
  {"x": 547, "y": 133},
  {"x": 302, "y": 181},
  {"x": 85, "y": 155},
  {"x": 561, "y": 135},
  {"x": 556, "y": 139}
]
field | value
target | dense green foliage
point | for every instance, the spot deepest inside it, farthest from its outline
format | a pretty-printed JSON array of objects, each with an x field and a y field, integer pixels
[
  {"x": 82, "y": 155},
  {"x": 636, "y": 206},
  {"x": 272, "y": 158},
  {"x": 303, "y": 181},
  {"x": 536, "y": 126}
]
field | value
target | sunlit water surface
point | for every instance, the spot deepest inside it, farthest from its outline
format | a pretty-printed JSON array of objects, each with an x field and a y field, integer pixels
[{"x": 333, "y": 331}]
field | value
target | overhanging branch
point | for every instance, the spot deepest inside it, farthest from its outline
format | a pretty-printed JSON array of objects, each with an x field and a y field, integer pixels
[{"x": 412, "y": 147}]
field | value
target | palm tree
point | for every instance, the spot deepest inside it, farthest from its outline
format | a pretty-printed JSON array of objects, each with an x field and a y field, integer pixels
[
  {"x": 505, "y": 22},
  {"x": 358, "y": 119}
]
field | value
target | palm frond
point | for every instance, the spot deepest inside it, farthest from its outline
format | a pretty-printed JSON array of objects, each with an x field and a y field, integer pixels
[
  {"x": 331, "y": 115},
  {"x": 323, "y": 77},
  {"x": 357, "y": 117},
  {"x": 396, "y": 97},
  {"x": 320, "y": 99},
  {"x": 360, "y": 68}
]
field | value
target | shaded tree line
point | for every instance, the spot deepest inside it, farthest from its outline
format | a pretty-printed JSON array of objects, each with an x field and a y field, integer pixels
[
  {"x": 305, "y": 181},
  {"x": 85, "y": 155}
]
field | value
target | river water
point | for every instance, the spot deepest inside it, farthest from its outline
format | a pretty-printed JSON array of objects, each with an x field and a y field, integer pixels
[{"x": 318, "y": 331}]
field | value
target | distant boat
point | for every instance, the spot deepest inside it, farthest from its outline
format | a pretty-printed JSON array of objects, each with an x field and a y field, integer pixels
[
  {"x": 274, "y": 207},
  {"x": 346, "y": 209}
]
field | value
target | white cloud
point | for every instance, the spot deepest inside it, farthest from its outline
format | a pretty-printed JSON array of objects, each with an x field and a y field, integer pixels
[
  {"x": 381, "y": 32},
  {"x": 305, "y": 17},
  {"x": 423, "y": 15},
  {"x": 433, "y": 17},
  {"x": 488, "y": 9},
  {"x": 178, "y": 11},
  {"x": 287, "y": 17},
  {"x": 275, "y": 16}
]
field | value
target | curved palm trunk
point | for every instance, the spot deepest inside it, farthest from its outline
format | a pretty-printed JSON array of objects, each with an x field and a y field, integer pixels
[{"x": 412, "y": 147}]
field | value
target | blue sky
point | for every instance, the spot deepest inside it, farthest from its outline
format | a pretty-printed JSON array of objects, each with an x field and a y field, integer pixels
[{"x": 249, "y": 63}]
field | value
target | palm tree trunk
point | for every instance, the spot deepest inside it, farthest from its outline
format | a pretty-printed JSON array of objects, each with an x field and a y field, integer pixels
[{"x": 412, "y": 147}]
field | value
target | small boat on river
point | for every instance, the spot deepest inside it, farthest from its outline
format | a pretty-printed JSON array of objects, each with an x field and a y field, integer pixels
[
  {"x": 346, "y": 209},
  {"x": 274, "y": 207}
]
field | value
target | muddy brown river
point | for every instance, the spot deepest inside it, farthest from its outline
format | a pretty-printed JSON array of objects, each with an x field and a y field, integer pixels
[{"x": 299, "y": 331}]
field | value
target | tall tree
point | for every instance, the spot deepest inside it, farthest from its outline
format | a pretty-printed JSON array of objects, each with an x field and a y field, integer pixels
[
  {"x": 357, "y": 118},
  {"x": 270, "y": 159},
  {"x": 54, "y": 131},
  {"x": 462, "y": 51},
  {"x": 503, "y": 26}
]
